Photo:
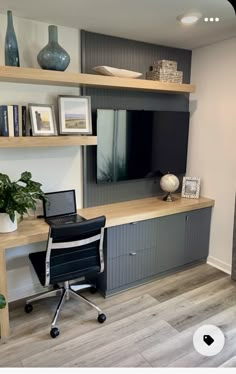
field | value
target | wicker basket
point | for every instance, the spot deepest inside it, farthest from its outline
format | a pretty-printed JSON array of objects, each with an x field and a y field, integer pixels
[
  {"x": 164, "y": 76},
  {"x": 166, "y": 64},
  {"x": 165, "y": 71}
]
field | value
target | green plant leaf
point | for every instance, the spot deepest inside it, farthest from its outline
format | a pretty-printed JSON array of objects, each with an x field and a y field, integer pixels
[
  {"x": 2, "y": 302},
  {"x": 25, "y": 177},
  {"x": 18, "y": 196},
  {"x": 5, "y": 183}
]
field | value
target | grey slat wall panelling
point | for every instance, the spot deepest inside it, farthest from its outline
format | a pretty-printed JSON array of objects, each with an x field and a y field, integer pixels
[
  {"x": 98, "y": 49},
  {"x": 233, "y": 271}
]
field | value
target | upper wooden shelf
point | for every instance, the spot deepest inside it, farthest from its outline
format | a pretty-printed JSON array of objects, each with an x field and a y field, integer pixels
[
  {"x": 58, "y": 78},
  {"x": 46, "y": 141}
]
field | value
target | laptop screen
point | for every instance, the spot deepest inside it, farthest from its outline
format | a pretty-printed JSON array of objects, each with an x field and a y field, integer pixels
[{"x": 59, "y": 203}]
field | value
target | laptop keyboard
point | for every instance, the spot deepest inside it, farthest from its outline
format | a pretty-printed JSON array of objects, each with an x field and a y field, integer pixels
[
  {"x": 64, "y": 220},
  {"x": 59, "y": 220}
]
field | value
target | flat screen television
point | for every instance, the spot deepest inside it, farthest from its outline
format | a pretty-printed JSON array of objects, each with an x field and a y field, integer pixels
[{"x": 134, "y": 144}]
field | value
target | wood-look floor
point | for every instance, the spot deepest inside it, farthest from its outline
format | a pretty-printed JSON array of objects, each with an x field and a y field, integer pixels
[{"x": 149, "y": 326}]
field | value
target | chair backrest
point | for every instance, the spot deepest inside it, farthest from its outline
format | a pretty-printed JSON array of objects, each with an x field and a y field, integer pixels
[{"x": 74, "y": 250}]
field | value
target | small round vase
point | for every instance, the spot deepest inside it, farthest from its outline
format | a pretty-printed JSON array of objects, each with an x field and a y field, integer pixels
[
  {"x": 53, "y": 56},
  {"x": 11, "y": 46}
]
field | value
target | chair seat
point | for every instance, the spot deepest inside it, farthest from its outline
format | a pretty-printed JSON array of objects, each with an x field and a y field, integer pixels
[
  {"x": 66, "y": 271},
  {"x": 73, "y": 251}
]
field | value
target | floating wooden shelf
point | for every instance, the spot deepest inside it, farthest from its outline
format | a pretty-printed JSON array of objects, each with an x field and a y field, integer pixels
[
  {"x": 57, "y": 78},
  {"x": 46, "y": 141}
]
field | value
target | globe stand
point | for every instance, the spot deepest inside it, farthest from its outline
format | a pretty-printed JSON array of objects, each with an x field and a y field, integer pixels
[
  {"x": 168, "y": 198},
  {"x": 169, "y": 183}
]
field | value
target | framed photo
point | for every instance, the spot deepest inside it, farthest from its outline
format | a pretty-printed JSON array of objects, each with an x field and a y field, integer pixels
[
  {"x": 74, "y": 115},
  {"x": 191, "y": 187},
  {"x": 42, "y": 118}
]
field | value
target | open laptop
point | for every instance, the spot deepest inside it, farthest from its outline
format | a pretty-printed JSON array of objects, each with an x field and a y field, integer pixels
[{"x": 60, "y": 208}]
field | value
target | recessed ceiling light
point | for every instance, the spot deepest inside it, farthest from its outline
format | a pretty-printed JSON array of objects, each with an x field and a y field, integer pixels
[{"x": 189, "y": 18}]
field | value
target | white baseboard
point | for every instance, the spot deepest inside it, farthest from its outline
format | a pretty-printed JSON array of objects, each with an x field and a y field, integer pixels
[{"x": 219, "y": 264}]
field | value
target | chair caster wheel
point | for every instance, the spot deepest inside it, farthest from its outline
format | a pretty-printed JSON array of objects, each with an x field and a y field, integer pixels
[
  {"x": 93, "y": 290},
  {"x": 28, "y": 308},
  {"x": 102, "y": 318},
  {"x": 54, "y": 332}
]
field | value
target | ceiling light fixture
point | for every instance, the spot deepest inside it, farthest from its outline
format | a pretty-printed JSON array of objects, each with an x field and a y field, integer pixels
[{"x": 189, "y": 18}]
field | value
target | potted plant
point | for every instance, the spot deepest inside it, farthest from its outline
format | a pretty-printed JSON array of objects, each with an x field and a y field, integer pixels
[
  {"x": 2, "y": 302},
  {"x": 17, "y": 197}
]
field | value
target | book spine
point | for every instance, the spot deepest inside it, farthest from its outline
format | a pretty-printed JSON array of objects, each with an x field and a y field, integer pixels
[
  {"x": 4, "y": 120},
  {"x": 16, "y": 120},
  {"x": 20, "y": 119},
  {"x": 10, "y": 120},
  {"x": 23, "y": 117},
  {"x": 1, "y": 121}
]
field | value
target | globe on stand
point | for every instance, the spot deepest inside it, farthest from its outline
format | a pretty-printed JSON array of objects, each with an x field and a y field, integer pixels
[{"x": 169, "y": 183}]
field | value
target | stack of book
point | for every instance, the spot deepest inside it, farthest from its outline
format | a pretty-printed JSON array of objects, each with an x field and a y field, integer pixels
[
  {"x": 13, "y": 120},
  {"x": 165, "y": 71}
]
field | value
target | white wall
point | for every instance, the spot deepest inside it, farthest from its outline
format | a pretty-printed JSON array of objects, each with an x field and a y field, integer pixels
[
  {"x": 56, "y": 168},
  {"x": 212, "y": 141}
]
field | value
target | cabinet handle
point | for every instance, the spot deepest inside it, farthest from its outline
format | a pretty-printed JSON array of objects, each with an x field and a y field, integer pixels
[
  {"x": 133, "y": 223},
  {"x": 187, "y": 217},
  {"x": 132, "y": 253}
]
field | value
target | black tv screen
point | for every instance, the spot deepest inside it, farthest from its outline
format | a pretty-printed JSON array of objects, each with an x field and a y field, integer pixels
[{"x": 134, "y": 144}]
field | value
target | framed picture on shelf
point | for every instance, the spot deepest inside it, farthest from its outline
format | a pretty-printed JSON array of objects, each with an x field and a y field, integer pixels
[
  {"x": 191, "y": 187},
  {"x": 42, "y": 118},
  {"x": 74, "y": 115}
]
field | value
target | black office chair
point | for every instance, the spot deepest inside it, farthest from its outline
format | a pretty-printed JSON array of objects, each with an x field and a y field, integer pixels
[{"x": 73, "y": 250}]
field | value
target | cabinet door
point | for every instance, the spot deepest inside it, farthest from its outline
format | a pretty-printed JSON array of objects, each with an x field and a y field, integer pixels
[
  {"x": 130, "y": 253},
  {"x": 131, "y": 267},
  {"x": 131, "y": 237},
  {"x": 197, "y": 234},
  {"x": 171, "y": 241}
]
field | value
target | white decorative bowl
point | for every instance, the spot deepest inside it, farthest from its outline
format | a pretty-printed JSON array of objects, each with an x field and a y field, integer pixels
[{"x": 114, "y": 72}]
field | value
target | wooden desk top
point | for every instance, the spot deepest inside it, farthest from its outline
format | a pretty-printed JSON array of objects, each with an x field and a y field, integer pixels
[
  {"x": 36, "y": 230},
  {"x": 139, "y": 210}
]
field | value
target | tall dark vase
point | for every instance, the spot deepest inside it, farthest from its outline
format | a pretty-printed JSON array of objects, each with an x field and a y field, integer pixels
[
  {"x": 53, "y": 56},
  {"x": 11, "y": 46}
]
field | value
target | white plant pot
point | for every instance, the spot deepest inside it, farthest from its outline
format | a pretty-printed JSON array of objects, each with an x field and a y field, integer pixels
[{"x": 6, "y": 224}]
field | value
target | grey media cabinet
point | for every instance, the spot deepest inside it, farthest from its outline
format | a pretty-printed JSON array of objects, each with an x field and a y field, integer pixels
[
  {"x": 149, "y": 238},
  {"x": 140, "y": 251}
]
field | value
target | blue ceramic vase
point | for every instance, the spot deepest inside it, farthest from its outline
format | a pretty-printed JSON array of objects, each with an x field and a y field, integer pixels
[
  {"x": 11, "y": 46},
  {"x": 53, "y": 56}
]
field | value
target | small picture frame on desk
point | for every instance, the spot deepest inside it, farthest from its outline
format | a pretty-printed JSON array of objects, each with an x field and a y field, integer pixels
[
  {"x": 191, "y": 187},
  {"x": 42, "y": 118},
  {"x": 74, "y": 115}
]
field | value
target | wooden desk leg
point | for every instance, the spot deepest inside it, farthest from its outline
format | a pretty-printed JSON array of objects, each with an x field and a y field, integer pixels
[{"x": 4, "y": 313}]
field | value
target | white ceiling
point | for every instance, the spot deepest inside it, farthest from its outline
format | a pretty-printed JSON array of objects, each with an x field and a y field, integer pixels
[{"x": 152, "y": 21}]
